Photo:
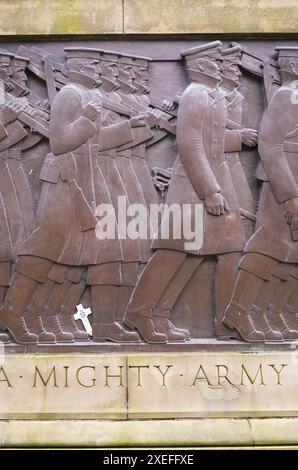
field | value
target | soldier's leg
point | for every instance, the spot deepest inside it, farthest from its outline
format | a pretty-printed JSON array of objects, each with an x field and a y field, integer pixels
[
  {"x": 259, "y": 310},
  {"x": 105, "y": 280},
  {"x": 130, "y": 273},
  {"x": 225, "y": 279},
  {"x": 77, "y": 278},
  {"x": 163, "y": 310},
  {"x": 276, "y": 313},
  {"x": 254, "y": 271},
  {"x": 291, "y": 307},
  {"x": 5, "y": 274},
  {"x": 29, "y": 272},
  {"x": 154, "y": 280},
  {"x": 50, "y": 317},
  {"x": 35, "y": 310}
]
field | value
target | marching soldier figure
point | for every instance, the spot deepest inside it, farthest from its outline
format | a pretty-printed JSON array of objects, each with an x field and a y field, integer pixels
[
  {"x": 17, "y": 205},
  {"x": 268, "y": 271},
  {"x": 226, "y": 275},
  {"x": 200, "y": 176}
]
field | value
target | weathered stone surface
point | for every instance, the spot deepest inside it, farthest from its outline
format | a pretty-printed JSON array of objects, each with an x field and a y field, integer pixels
[
  {"x": 127, "y": 433},
  {"x": 68, "y": 386},
  {"x": 34, "y": 17},
  {"x": 213, "y": 385},
  {"x": 3, "y": 426},
  {"x": 74, "y": 386},
  {"x": 225, "y": 432},
  {"x": 274, "y": 431},
  {"x": 192, "y": 16},
  {"x": 152, "y": 16}
]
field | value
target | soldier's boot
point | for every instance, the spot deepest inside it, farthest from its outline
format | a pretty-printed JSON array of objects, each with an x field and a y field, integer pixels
[
  {"x": 4, "y": 338},
  {"x": 163, "y": 310},
  {"x": 33, "y": 319},
  {"x": 51, "y": 323},
  {"x": 11, "y": 312},
  {"x": 68, "y": 308},
  {"x": 165, "y": 326},
  {"x": 236, "y": 317},
  {"x": 113, "y": 332},
  {"x": 68, "y": 324},
  {"x": 259, "y": 316},
  {"x": 157, "y": 275},
  {"x": 105, "y": 327},
  {"x": 278, "y": 319},
  {"x": 145, "y": 327},
  {"x": 291, "y": 314}
]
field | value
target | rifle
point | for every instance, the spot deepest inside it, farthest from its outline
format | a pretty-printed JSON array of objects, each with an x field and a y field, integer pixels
[
  {"x": 262, "y": 67},
  {"x": 37, "y": 123}
]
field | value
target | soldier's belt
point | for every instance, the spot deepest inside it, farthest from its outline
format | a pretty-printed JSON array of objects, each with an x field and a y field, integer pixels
[
  {"x": 107, "y": 153},
  {"x": 290, "y": 147},
  {"x": 139, "y": 151}
]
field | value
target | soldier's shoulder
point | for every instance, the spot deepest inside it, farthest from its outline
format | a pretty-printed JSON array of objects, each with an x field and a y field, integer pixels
[
  {"x": 283, "y": 97},
  {"x": 194, "y": 91},
  {"x": 70, "y": 93},
  {"x": 283, "y": 92},
  {"x": 70, "y": 88}
]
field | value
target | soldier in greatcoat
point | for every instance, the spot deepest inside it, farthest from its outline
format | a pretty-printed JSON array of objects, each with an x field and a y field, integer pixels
[
  {"x": 268, "y": 271},
  {"x": 17, "y": 212},
  {"x": 200, "y": 176}
]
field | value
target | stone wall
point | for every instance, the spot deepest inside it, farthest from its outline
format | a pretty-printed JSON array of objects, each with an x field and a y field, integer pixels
[{"x": 62, "y": 17}]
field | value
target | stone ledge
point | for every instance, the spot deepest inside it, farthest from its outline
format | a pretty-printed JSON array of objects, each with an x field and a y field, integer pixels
[
  {"x": 129, "y": 433},
  {"x": 157, "y": 433}
]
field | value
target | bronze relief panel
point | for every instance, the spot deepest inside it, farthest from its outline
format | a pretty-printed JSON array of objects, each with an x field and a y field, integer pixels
[{"x": 148, "y": 193}]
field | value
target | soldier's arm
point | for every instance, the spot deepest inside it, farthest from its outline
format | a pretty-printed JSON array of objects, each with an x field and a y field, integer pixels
[
  {"x": 115, "y": 135},
  {"x": 274, "y": 127},
  {"x": 67, "y": 132},
  {"x": 11, "y": 130},
  {"x": 192, "y": 108}
]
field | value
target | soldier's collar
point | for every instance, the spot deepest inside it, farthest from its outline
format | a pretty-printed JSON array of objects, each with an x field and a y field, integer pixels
[
  {"x": 287, "y": 77},
  {"x": 126, "y": 88},
  {"x": 140, "y": 89},
  {"x": 83, "y": 79},
  {"x": 228, "y": 84},
  {"x": 204, "y": 78},
  {"x": 18, "y": 90},
  {"x": 8, "y": 86},
  {"x": 108, "y": 85}
]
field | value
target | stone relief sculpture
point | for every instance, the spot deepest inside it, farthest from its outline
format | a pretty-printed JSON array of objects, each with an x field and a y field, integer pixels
[{"x": 112, "y": 133}]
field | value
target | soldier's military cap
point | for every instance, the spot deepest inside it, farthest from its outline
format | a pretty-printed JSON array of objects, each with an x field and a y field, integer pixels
[
  {"x": 125, "y": 59},
  {"x": 138, "y": 60},
  {"x": 287, "y": 51},
  {"x": 5, "y": 57},
  {"x": 82, "y": 53},
  {"x": 109, "y": 56},
  {"x": 20, "y": 60},
  {"x": 232, "y": 54},
  {"x": 211, "y": 49}
]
